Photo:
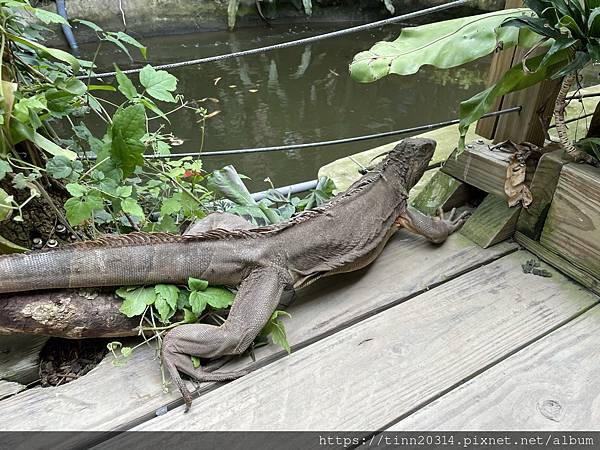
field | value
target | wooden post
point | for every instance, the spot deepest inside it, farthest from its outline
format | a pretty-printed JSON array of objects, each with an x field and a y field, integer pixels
[{"x": 537, "y": 102}]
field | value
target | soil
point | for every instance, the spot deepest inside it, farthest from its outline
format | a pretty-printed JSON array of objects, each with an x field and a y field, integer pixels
[{"x": 65, "y": 360}]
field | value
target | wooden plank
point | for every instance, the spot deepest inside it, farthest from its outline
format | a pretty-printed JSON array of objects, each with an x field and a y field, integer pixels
[
  {"x": 441, "y": 191},
  {"x": 554, "y": 384},
  {"x": 483, "y": 168},
  {"x": 537, "y": 104},
  {"x": 407, "y": 266},
  {"x": 572, "y": 227},
  {"x": 493, "y": 221},
  {"x": 531, "y": 220},
  {"x": 500, "y": 63},
  {"x": 581, "y": 276},
  {"x": 366, "y": 376},
  {"x": 20, "y": 357}
]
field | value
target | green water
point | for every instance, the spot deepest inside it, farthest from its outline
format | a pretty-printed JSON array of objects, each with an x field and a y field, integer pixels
[{"x": 296, "y": 95}]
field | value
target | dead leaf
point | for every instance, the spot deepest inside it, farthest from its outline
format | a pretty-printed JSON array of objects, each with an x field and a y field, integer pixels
[
  {"x": 217, "y": 80},
  {"x": 212, "y": 99},
  {"x": 514, "y": 185},
  {"x": 232, "y": 86},
  {"x": 253, "y": 90}
]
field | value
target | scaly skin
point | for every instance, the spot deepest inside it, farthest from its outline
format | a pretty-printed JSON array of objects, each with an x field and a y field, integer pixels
[{"x": 345, "y": 235}]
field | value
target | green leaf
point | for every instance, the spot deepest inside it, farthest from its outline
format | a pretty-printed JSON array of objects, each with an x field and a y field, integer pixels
[
  {"x": 198, "y": 302},
  {"x": 276, "y": 330},
  {"x": 89, "y": 24},
  {"x": 228, "y": 183},
  {"x": 195, "y": 361},
  {"x": 443, "y": 44},
  {"x": 6, "y": 202},
  {"x": 170, "y": 206},
  {"x": 169, "y": 292},
  {"x": 80, "y": 209},
  {"x": 126, "y": 351},
  {"x": 594, "y": 23},
  {"x": 136, "y": 300},
  {"x": 76, "y": 190},
  {"x": 130, "y": 206},
  {"x": 61, "y": 55},
  {"x": 133, "y": 42},
  {"x": 110, "y": 37},
  {"x": 514, "y": 79},
  {"x": 129, "y": 126},
  {"x": 101, "y": 87},
  {"x": 61, "y": 167},
  {"x": 252, "y": 213},
  {"x": 232, "y": 9},
  {"x": 189, "y": 316},
  {"x": 49, "y": 17},
  {"x": 196, "y": 284},
  {"x": 4, "y": 169},
  {"x": 165, "y": 311},
  {"x": 158, "y": 83},
  {"x": 124, "y": 191},
  {"x": 52, "y": 148},
  {"x": 126, "y": 86},
  {"x": 72, "y": 86},
  {"x": 579, "y": 62},
  {"x": 218, "y": 298}
]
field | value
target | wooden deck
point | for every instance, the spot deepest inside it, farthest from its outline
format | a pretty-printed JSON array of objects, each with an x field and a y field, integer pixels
[{"x": 450, "y": 337}]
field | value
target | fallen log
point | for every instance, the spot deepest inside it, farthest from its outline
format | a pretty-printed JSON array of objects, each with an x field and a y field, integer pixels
[{"x": 66, "y": 313}]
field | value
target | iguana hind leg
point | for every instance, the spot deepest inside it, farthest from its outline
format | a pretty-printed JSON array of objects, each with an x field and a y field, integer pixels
[
  {"x": 254, "y": 303},
  {"x": 435, "y": 229}
]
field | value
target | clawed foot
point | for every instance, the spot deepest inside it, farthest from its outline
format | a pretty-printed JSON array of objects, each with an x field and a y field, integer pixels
[{"x": 452, "y": 224}]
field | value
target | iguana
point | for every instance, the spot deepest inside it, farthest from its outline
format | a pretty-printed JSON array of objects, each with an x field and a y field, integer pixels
[{"x": 344, "y": 235}]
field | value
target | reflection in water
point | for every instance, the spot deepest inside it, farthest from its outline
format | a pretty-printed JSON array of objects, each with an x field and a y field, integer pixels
[{"x": 296, "y": 95}]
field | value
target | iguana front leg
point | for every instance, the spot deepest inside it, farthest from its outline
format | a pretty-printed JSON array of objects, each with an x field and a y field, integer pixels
[
  {"x": 254, "y": 303},
  {"x": 435, "y": 229}
]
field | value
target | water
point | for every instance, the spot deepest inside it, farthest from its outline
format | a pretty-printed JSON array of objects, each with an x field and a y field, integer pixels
[{"x": 295, "y": 95}]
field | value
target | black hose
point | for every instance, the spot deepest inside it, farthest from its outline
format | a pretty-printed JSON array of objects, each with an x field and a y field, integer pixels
[{"x": 61, "y": 9}]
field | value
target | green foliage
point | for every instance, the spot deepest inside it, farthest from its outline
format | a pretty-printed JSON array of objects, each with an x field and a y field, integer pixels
[
  {"x": 443, "y": 45},
  {"x": 567, "y": 33}
]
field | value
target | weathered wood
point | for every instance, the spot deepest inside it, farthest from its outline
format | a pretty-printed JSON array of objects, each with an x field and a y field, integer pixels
[
  {"x": 368, "y": 375},
  {"x": 19, "y": 357},
  {"x": 493, "y": 221},
  {"x": 408, "y": 265},
  {"x": 8, "y": 388},
  {"x": 67, "y": 313},
  {"x": 579, "y": 275},
  {"x": 483, "y": 168},
  {"x": 531, "y": 220},
  {"x": 572, "y": 228},
  {"x": 501, "y": 61},
  {"x": 554, "y": 384},
  {"x": 442, "y": 191}
]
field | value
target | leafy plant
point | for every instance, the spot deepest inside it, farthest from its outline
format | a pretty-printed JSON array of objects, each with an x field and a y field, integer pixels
[{"x": 563, "y": 37}]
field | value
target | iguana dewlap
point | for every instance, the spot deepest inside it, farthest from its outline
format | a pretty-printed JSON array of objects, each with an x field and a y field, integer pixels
[{"x": 344, "y": 235}]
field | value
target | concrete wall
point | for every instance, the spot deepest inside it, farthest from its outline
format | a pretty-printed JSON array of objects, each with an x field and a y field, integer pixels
[{"x": 154, "y": 17}]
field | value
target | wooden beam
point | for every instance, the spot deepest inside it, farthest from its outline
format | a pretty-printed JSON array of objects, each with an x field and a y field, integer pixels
[
  {"x": 531, "y": 220},
  {"x": 552, "y": 385},
  {"x": 441, "y": 191},
  {"x": 371, "y": 374},
  {"x": 501, "y": 61},
  {"x": 579, "y": 275},
  {"x": 572, "y": 228},
  {"x": 493, "y": 221},
  {"x": 483, "y": 168}
]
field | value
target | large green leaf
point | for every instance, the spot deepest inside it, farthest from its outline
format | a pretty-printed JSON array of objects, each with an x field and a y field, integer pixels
[
  {"x": 158, "y": 83},
  {"x": 128, "y": 127},
  {"x": 54, "y": 52},
  {"x": 514, "y": 79},
  {"x": 228, "y": 183},
  {"x": 444, "y": 44}
]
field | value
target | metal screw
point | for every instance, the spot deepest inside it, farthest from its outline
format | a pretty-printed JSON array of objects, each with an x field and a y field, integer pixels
[
  {"x": 480, "y": 141},
  {"x": 61, "y": 229},
  {"x": 37, "y": 243},
  {"x": 52, "y": 243}
]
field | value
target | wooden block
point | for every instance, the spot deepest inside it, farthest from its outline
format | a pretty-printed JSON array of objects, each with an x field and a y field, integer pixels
[
  {"x": 442, "y": 191},
  {"x": 579, "y": 275},
  {"x": 493, "y": 221},
  {"x": 553, "y": 384},
  {"x": 20, "y": 357},
  {"x": 369, "y": 375},
  {"x": 572, "y": 228},
  {"x": 531, "y": 220},
  {"x": 483, "y": 168},
  {"x": 321, "y": 309}
]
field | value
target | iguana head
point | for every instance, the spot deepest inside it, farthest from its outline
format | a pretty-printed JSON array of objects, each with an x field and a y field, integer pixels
[{"x": 408, "y": 161}]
